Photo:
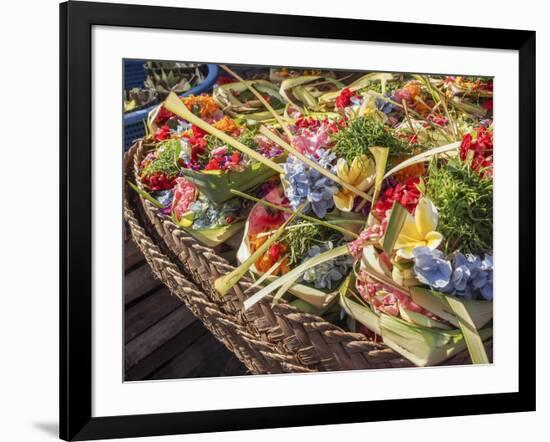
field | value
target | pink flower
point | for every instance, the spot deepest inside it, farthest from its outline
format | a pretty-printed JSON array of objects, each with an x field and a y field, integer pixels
[
  {"x": 184, "y": 194},
  {"x": 385, "y": 298},
  {"x": 370, "y": 234}
]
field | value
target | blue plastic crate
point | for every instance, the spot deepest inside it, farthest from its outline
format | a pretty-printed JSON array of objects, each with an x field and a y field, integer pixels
[
  {"x": 134, "y": 73},
  {"x": 134, "y": 122}
]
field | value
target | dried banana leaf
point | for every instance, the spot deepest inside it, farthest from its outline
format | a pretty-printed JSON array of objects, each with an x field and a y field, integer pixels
[
  {"x": 304, "y": 92},
  {"x": 228, "y": 97}
]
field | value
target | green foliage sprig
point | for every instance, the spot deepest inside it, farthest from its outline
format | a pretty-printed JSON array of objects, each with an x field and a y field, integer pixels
[
  {"x": 362, "y": 133},
  {"x": 247, "y": 137},
  {"x": 464, "y": 201},
  {"x": 166, "y": 161},
  {"x": 376, "y": 86},
  {"x": 301, "y": 236}
]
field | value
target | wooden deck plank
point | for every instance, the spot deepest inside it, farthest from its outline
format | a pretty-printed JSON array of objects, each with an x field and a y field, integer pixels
[
  {"x": 138, "y": 283},
  {"x": 233, "y": 367},
  {"x": 218, "y": 363},
  {"x": 132, "y": 255},
  {"x": 163, "y": 338},
  {"x": 164, "y": 353},
  {"x": 148, "y": 312},
  {"x": 139, "y": 347},
  {"x": 200, "y": 359}
]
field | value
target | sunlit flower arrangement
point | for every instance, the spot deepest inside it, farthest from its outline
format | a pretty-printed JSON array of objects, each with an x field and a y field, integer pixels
[{"x": 365, "y": 200}]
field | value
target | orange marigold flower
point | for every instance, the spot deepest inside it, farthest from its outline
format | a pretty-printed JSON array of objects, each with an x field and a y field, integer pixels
[
  {"x": 227, "y": 125},
  {"x": 412, "y": 171},
  {"x": 205, "y": 103},
  {"x": 413, "y": 88},
  {"x": 423, "y": 108},
  {"x": 269, "y": 258}
]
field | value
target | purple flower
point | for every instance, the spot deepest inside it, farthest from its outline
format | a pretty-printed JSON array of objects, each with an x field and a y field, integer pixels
[
  {"x": 432, "y": 269},
  {"x": 461, "y": 273},
  {"x": 487, "y": 267},
  {"x": 307, "y": 184},
  {"x": 481, "y": 274},
  {"x": 327, "y": 274},
  {"x": 384, "y": 105},
  {"x": 468, "y": 277}
]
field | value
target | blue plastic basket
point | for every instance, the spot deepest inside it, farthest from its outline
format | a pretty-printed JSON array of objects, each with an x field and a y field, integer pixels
[
  {"x": 134, "y": 122},
  {"x": 134, "y": 74}
]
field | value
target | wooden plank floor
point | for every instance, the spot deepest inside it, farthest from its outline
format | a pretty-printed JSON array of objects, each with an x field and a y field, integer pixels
[{"x": 163, "y": 340}]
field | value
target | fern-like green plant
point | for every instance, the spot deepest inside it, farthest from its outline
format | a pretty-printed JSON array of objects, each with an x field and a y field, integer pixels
[
  {"x": 363, "y": 132},
  {"x": 464, "y": 201}
]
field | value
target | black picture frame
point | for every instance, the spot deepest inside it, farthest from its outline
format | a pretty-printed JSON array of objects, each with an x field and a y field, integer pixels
[{"x": 76, "y": 21}]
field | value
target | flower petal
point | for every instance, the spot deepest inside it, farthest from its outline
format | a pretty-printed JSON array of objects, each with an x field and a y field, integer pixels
[
  {"x": 433, "y": 239},
  {"x": 409, "y": 230},
  {"x": 356, "y": 170},
  {"x": 406, "y": 252},
  {"x": 342, "y": 169},
  {"x": 344, "y": 201},
  {"x": 425, "y": 216}
]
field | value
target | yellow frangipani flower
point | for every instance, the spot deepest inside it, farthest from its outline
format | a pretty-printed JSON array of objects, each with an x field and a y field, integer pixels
[
  {"x": 360, "y": 175},
  {"x": 419, "y": 230}
]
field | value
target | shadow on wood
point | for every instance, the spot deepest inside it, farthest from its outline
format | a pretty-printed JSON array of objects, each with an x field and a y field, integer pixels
[{"x": 163, "y": 340}]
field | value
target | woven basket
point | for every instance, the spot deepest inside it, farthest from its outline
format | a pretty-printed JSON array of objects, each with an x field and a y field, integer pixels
[
  {"x": 258, "y": 357},
  {"x": 267, "y": 338}
]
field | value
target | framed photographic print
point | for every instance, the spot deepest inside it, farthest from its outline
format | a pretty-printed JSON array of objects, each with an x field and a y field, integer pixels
[{"x": 274, "y": 220}]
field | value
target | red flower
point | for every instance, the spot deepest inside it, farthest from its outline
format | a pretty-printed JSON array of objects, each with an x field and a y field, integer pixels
[
  {"x": 163, "y": 116},
  {"x": 275, "y": 251},
  {"x": 198, "y": 143},
  {"x": 263, "y": 218},
  {"x": 314, "y": 124},
  {"x": 214, "y": 164},
  {"x": 198, "y": 132},
  {"x": 224, "y": 79},
  {"x": 198, "y": 147},
  {"x": 162, "y": 134},
  {"x": 478, "y": 152},
  {"x": 438, "y": 119},
  {"x": 487, "y": 104},
  {"x": 406, "y": 194},
  {"x": 307, "y": 123},
  {"x": 235, "y": 158},
  {"x": 339, "y": 124},
  {"x": 224, "y": 162},
  {"x": 159, "y": 181},
  {"x": 480, "y": 85},
  {"x": 344, "y": 99}
]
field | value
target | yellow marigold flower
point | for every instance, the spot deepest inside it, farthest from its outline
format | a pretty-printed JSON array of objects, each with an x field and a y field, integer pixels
[{"x": 360, "y": 175}]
